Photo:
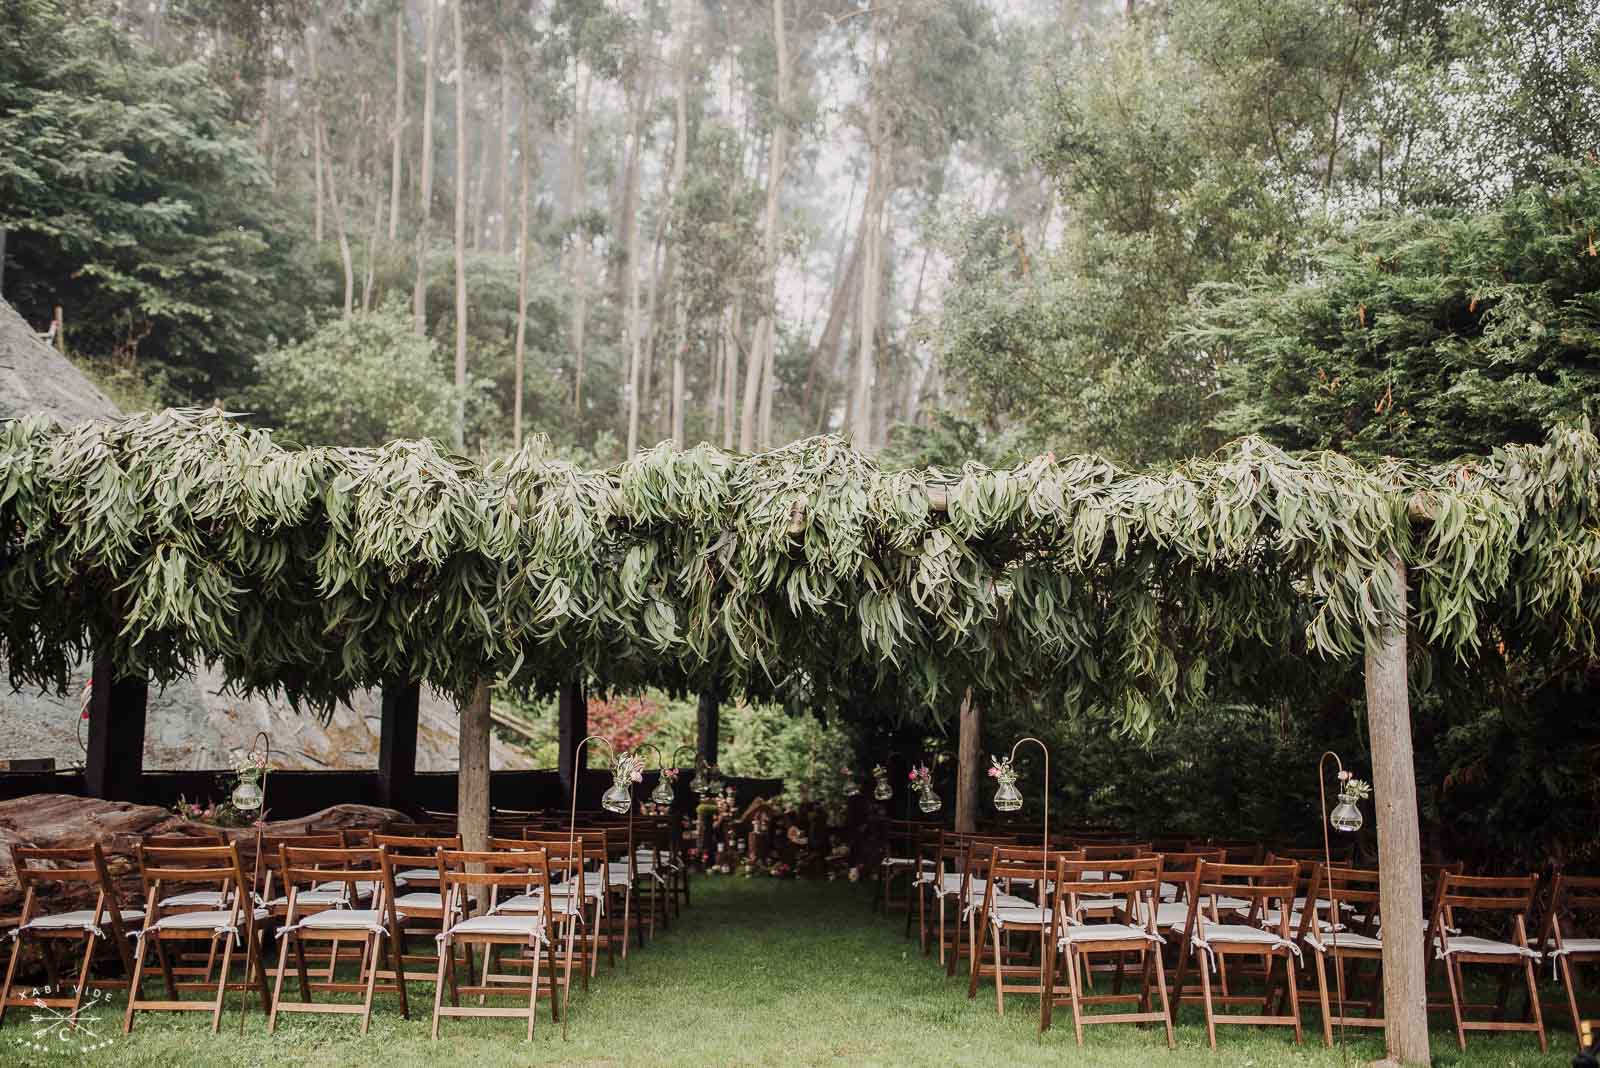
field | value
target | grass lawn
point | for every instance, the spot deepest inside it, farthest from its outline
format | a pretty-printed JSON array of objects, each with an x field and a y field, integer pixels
[{"x": 759, "y": 972}]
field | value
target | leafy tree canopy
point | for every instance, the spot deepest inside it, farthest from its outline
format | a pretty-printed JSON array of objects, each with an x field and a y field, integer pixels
[
  {"x": 125, "y": 182},
  {"x": 1420, "y": 336}
]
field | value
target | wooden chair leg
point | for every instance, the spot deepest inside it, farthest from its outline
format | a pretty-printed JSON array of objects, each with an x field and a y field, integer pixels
[
  {"x": 1211, "y": 1018},
  {"x": 1166, "y": 1004},
  {"x": 222, "y": 982},
  {"x": 999, "y": 969},
  {"x": 1533, "y": 1002},
  {"x": 1322, "y": 999},
  {"x": 277, "y": 983},
  {"x": 1568, "y": 981},
  {"x": 372, "y": 983},
  {"x": 1455, "y": 1004},
  {"x": 438, "y": 985},
  {"x": 140, "y": 951},
  {"x": 16, "y": 955},
  {"x": 1073, "y": 959}
]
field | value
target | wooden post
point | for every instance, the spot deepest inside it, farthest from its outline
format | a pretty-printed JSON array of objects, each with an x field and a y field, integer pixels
[
  {"x": 969, "y": 764},
  {"x": 573, "y": 727},
  {"x": 709, "y": 724},
  {"x": 397, "y": 745},
  {"x": 115, "y": 761},
  {"x": 61, "y": 331},
  {"x": 1394, "y": 789},
  {"x": 472, "y": 777}
]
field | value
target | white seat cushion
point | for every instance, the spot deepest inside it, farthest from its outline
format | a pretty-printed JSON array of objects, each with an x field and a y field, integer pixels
[
  {"x": 1105, "y": 932},
  {"x": 1226, "y": 903},
  {"x": 1172, "y": 914},
  {"x": 1269, "y": 918},
  {"x": 526, "y": 926},
  {"x": 419, "y": 899},
  {"x": 362, "y": 890},
  {"x": 417, "y": 875},
  {"x": 221, "y": 919},
  {"x": 311, "y": 897},
  {"x": 1023, "y": 914},
  {"x": 205, "y": 899},
  {"x": 1239, "y": 934},
  {"x": 1568, "y": 945},
  {"x": 534, "y": 903},
  {"x": 1344, "y": 939},
  {"x": 1472, "y": 944},
  {"x": 79, "y": 918},
  {"x": 344, "y": 920}
]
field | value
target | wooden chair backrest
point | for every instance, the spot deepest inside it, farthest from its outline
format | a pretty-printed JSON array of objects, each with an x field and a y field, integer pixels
[
  {"x": 161, "y": 867},
  {"x": 304, "y": 867},
  {"x": 269, "y": 855},
  {"x": 519, "y": 872},
  {"x": 184, "y": 841},
  {"x": 1357, "y": 887},
  {"x": 1572, "y": 897},
  {"x": 1136, "y": 880},
  {"x": 66, "y": 864},
  {"x": 1114, "y": 850},
  {"x": 1263, "y": 886}
]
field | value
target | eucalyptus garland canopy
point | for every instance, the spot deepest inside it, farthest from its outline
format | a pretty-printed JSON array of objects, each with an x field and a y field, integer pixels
[{"x": 186, "y": 536}]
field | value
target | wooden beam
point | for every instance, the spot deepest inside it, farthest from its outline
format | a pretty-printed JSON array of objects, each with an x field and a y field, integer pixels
[
  {"x": 708, "y": 726},
  {"x": 1394, "y": 790},
  {"x": 397, "y": 745},
  {"x": 472, "y": 779},
  {"x": 573, "y": 726},
  {"x": 114, "y": 764},
  {"x": 969, "y": 764}
]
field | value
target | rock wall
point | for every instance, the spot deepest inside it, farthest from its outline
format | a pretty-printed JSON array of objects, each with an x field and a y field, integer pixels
[
  {"x": 193, "y": 725},
  {"x": 55, "y": 820}
]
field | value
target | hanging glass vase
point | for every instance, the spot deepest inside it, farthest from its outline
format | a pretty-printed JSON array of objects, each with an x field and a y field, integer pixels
[
  {"x": 851, "y": 788},
  {"x": 929, "y": 802},
  {"x": 1346, "y": 817},
  {"x": 1007, "y": 798},
  {"x": 617, "y": 800},
  {"x": 247, "y": 796},
  {"x": 662, "y": 794},
  {"x": 881, "y": 790}
]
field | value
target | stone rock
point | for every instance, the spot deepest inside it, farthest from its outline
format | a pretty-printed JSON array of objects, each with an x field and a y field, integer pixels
[
  {"x": 57, "y": 820},
  {"x": 36, "y": 379},
  {"x": 196, "y": 725}
]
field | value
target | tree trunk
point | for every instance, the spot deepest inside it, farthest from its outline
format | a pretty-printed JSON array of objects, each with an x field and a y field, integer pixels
[
  {"x": 419, "y": 295},
  {"x": 338, "y": 220},
  {"x": 871, "y": 277},
  {"x": 580, "y": 310},
  {"x": 520, "y": 358},
  {"x": 730, "y": 372},
  {"x": 399, "y": 123},
  {"x": 472, "y": 776},
  {"x": 775, "y": 171},
  {"x": 502, "y": 197},
  {"x": 969, "y": 764},
  {"x": 680, "y": 156},
  {"x": 316, "y": 133},
  {"x": 630, "y": 215},
  {"x": 369, "y": 285},
  {"x": 461, "y": 228},
  {"x": 1394, "y": 788}
]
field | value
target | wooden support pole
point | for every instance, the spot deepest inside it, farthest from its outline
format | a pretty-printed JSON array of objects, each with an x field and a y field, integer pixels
[
  {"x": 472, "y": 778},
  {"x": 1394, "y": 789},
  {"x": 397, "y": 745},
  {"x": 572, "y": 710},
  {"x": 114, "y": 764},
  {"x": 969, "y": 764},
  {"x": 708, "y": 726}
]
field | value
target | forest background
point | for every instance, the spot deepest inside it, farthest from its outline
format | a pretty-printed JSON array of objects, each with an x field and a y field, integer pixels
[{"x": 955, "y": 230}]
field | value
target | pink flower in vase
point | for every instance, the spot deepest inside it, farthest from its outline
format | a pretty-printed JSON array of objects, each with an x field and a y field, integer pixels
[{"x": 994, "y": 772}]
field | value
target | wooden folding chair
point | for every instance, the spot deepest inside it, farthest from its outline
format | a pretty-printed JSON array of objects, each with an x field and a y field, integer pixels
[
  {"x": 1129, "y": 927},
  {"x": 238, "y": 921},
  {"x": 1250, "y": 890},
  {"x": 410, "y": 877},
  {"x": 1574, "y": 897},
  {"x": 580, "y": 870},
  {"x": 530, "y": 928},
  {"x": 998, "y": 917},
  {"x": 269, "y": 888},
  {"x": 1466, "y": 897},
  {"x": 308, "y": 873},
  {"x": 1352, "y": 892},
  {"x": 83, "y": 929}
]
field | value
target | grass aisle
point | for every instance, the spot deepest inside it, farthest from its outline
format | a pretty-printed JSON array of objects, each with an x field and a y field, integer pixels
[{"x": 759, "y": 972}]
